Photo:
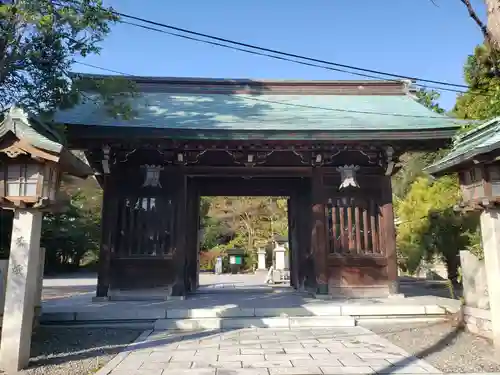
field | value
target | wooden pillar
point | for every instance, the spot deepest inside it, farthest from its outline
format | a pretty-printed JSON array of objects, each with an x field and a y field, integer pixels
[
  {"x": 389, "y": 234},
  {"x": 292, "y": 247},
  {"x": 107, "y": 227},
  {"x": 319, "y": 247},
  {"x": 302, "y": 208},
  {"x": 196, "y": 236},
  {"x": 179, "y": 287},
  {"x": 192, "y": 240}
]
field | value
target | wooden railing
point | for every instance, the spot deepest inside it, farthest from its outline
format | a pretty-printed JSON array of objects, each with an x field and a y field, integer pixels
[{"x": 354, "y": 226}]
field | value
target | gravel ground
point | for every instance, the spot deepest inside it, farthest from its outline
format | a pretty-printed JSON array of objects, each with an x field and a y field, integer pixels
[
  {"x": 75, "y": 351},
  {"x": 443, "y": 346}
]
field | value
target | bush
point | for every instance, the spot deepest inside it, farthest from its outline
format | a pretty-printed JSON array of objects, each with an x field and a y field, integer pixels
[
  {"x": 70, "y": 235},
  {"x": 208, "y": 259}
]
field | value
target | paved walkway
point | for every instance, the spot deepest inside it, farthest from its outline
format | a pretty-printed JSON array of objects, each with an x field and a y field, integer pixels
[{"x": 353, "y": 350}]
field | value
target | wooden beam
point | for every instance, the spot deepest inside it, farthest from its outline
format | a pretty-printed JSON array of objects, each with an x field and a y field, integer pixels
[{"x": 225, "y": 171}]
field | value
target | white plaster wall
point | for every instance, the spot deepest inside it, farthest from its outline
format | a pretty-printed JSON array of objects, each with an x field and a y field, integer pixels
[{"x": 474, "y": 281}]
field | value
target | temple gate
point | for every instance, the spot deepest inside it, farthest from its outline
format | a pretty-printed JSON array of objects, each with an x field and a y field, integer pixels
[{"x": 331, "y": 147}]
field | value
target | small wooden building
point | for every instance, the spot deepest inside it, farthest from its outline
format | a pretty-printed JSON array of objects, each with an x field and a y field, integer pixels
[
  {"x": 475, "y": 156},
  {"x": 329, "y": 146}
]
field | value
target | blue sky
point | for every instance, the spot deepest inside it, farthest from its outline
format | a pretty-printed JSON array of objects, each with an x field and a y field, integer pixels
[{"x": 410, "y": 37}]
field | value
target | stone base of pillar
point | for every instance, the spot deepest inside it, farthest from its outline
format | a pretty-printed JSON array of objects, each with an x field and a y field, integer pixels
[
  {"x": 376, "y": 291},
  {"x": 100, "y": 299},
  {"x": 152, "y": 294}
]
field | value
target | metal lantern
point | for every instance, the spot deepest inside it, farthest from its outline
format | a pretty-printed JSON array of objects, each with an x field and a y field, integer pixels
[
  {"x": 480, "y": 184},
  {"x": 31, "y": 162},
  {"x": 29, "y": 181}
]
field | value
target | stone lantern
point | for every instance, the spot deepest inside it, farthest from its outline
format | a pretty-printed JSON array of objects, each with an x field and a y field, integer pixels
[{"x": 32, "y": 160}]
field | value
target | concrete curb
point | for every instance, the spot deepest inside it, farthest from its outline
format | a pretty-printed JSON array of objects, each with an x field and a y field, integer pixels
[
  {"x": 111, "y": 365},
  {"x": 347, "y": 310}
]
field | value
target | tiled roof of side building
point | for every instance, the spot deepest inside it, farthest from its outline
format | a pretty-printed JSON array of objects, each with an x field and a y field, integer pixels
[
  {"x": 480, "y": 140},
  {"x": 15, "y": 120}
]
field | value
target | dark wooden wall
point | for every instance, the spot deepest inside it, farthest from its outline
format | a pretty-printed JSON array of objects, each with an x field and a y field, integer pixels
[{"x": 360, "y": 236}]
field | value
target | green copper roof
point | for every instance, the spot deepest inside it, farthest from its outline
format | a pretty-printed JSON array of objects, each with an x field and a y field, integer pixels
[
  {"x": 27, "y": 128},
  {"x": 480, "y": 140},
  {"x": 160, "y": 106}
]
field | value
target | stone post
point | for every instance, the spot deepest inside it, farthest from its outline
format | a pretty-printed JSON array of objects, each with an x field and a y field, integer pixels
[
  {"x": 21, "y": 290},
  {"x": 287, "y": 256},
  {"x": 261, "y": 255},
  {"x": 39, "y": 287},
  {"x": 490, "y": 233},
  {"x": 279, "y": 255}
]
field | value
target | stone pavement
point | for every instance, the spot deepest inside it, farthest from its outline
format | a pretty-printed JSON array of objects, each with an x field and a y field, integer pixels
[{"x": 353, "y": 350}]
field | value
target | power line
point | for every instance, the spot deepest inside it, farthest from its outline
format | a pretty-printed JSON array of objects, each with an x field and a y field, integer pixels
[
  {"x": 475, "y": 91},
  {"x": 291, "y": 104},
  {"x": 274, "y": 51},
  {"x": 281, "y": 58}
]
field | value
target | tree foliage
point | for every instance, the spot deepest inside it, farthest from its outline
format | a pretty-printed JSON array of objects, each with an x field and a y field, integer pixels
[
  {"x": 429, "y": 98},
  {"x": 244, "y": 222},
  {"x": 39, "y": 40},
  {"x": 71, "y": 235},
  {"x": 429, "y": 225},
  {"x": 482, "y": 100},
  {"x": 414, "y": 162}
]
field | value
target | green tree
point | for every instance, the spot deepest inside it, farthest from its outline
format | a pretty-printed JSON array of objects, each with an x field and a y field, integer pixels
[
  {"x": 482, "y": 99},
  {"x": 39, "y": 40},
  {"x": 245, "y": 222},
  {"x": 424, "y": 197},
  {"x": 429, "y": 98},
  {"x": 413, "y": 163},
  {"x": 71, "y": 235}
]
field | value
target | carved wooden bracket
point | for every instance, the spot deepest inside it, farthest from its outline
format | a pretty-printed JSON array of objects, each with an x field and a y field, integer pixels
[
  {"x": 188, "y": 157},
  {"x": 328, "y": 156},
  {"x": 249, "y": 158}
]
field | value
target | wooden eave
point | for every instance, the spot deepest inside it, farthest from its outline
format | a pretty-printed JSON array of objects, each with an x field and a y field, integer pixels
[
  {"x": 14, "y": 146},
  {"x": 86, "y": 136}
]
